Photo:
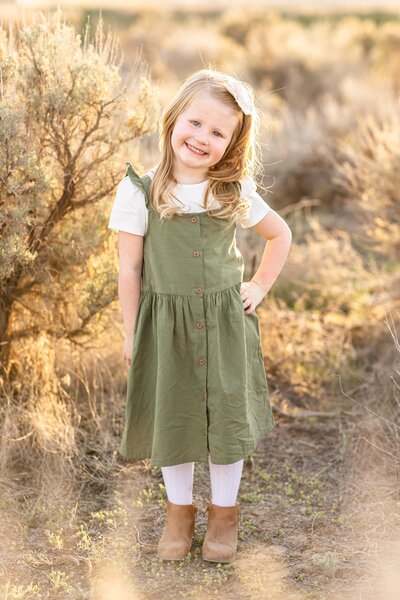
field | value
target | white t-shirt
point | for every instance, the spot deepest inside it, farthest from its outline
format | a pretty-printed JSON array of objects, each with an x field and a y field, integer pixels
[{"x": 129, "y": 212}]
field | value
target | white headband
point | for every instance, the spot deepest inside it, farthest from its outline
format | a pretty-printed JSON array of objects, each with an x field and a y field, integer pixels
[{"x": 241, "y": 95}]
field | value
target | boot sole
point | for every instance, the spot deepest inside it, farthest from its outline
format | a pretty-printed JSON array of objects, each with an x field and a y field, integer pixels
[{"x": 215, "y": 560}]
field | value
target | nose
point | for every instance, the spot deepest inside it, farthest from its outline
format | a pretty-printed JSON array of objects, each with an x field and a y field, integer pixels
[{"x": 202, "y": 139}]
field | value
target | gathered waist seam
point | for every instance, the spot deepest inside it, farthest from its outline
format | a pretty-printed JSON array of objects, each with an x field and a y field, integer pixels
[{"x": 143, "y": 291}]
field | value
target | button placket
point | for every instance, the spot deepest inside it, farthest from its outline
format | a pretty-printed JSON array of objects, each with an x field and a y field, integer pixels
[
  {"x": 199, "y": 323},
  {"x": 196, "y": 253}
]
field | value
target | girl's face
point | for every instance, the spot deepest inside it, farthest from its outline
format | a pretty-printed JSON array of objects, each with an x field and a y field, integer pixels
[{"x": 201, "y": 135}]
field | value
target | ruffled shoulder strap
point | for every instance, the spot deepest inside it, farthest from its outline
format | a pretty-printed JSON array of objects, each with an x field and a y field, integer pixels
[{"x": 142, "y": 182}]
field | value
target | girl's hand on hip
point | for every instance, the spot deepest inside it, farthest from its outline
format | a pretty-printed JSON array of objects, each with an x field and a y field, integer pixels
[
  {"x": 128, "y": 347},
  {"x": 252, "y": 294}
]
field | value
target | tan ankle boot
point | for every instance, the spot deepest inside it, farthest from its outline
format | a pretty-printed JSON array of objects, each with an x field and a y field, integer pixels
[
  {"x": 176, "y": 539},
  {"x": 220, "y": 542}
]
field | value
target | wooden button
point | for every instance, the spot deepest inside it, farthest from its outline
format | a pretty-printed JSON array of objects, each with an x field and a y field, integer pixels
[
  {"x": 202, "y": 361},
  {"x": 198, "y": 290},
  {"x": 202, "y": 396},
  {"x": 196, "y": 253},
  {"x": 194, "y": 219},
  {"x": 199, "y": 325}
]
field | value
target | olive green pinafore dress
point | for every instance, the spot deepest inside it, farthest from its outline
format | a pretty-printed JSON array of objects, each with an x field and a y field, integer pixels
[{"x": 196, "y": 383}]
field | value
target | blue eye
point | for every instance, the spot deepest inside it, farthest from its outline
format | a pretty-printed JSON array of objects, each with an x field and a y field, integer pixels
[{"x": 219, "y": 135}]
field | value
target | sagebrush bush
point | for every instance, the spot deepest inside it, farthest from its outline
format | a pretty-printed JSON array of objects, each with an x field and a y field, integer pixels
[{"x": 64, "y": 127}]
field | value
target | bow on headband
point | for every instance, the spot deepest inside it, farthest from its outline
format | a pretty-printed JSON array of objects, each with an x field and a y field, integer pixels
[{"x": 241, "y": 95}]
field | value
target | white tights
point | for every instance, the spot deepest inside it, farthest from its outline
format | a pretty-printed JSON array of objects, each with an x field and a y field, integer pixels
[{"x": 225, "y": 481}]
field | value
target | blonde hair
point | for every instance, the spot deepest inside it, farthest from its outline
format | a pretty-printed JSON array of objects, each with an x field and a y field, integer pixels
[{"x": 242, "y": 157}]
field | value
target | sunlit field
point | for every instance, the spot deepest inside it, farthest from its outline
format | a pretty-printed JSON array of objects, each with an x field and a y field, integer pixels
[{"x": 80, "y": 94}]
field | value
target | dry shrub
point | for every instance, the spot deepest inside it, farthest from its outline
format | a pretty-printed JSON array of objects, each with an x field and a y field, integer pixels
[
  {"x": 166, "y": 48},
  {"x": 369, "y": 178},
  {"x": 370, "y": 489},
  {"x": 63, "y": 430},
  {"x": 384, "y": 50},
  {"x": 39, "y": 431},
  {"x": 327, "y": 74},
  {"x": 301, "y": 63},
  {"x": 327, "y": 300},
  {"x": 206, "y": 45},
  {"x": 308, "y": 62},
  {"x": 305, "y": 352},
  {"x": 62, "y": 98},
  {"x": 369, "y": 174},
  {"x": 305, "y": 143},
  {"x": 325, "y": 273},
  {"x": 374, "y": 429}
]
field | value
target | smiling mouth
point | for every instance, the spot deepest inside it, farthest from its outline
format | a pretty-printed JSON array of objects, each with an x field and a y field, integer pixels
[{"x": 195, "y": 150}]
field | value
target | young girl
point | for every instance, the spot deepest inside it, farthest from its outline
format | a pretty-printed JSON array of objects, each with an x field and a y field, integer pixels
[{"x": 197, "y": 389}]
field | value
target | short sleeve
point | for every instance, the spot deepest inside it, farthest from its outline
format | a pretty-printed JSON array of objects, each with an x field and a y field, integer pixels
[
  {"x": 129, "y": 212},
  {"x": 258, "y": 207}
]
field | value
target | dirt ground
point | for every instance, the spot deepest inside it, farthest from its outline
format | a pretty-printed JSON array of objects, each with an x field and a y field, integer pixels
[
  {"x": 319, "y": 520},
  {"x": 309, "y": 527}
]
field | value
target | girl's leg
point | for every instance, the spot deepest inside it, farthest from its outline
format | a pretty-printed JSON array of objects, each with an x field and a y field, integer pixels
[
  {"x": 225, "y": 482},
  {"x": 178, "y": 481},
  {"x": 220, "y": 541},
  {"x": 176, "y": 538}
]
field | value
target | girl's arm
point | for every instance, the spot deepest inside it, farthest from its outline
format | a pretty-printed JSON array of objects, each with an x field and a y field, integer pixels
[
  {"x": 130, "y": 251},
  {"x": 279, "y": 238}
]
